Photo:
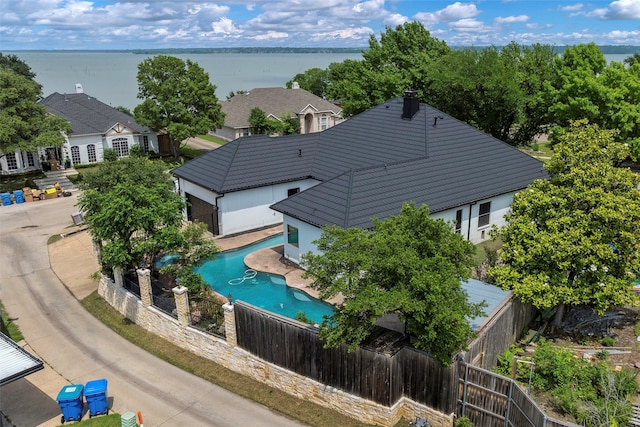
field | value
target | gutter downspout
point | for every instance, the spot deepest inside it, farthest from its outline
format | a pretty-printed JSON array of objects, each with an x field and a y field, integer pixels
[
  {"x": 469, "y": 221},
  {"x": 217, "y": 222}
]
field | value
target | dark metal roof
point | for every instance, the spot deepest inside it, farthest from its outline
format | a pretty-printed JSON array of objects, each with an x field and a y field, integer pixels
[
  {"x": 370, "y": 164},
  {"x": 87, "y": 115}
]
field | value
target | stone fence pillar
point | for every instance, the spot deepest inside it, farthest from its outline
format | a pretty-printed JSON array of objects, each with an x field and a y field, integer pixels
[
  {"x": 144, "y": 281},
  {"x": 182, "y": 305},
  {"x": 97, "y": 251},
  {"x": 117, "y": 276},
  {"x": 230, "y": 324}
]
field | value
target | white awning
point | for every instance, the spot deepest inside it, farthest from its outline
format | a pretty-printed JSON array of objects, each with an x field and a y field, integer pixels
[{"x": 15, "y": 362}]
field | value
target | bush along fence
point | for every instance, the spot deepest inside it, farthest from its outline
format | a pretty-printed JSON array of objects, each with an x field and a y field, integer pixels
[{"x": 379, "y": 384}]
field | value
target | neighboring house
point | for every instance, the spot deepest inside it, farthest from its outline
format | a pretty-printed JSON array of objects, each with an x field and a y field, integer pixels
[
  {"x": 400, "y": 151},
  {"x": 95, "y": 127},
  {"x": 314, "y": 113}
]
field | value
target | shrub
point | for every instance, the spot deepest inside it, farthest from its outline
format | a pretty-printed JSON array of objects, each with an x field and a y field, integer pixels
[
  {"x": 463, "y": 422},
  {"x": 109, "y": 155},
  {"x": 302, "y": 317},
  {"x": 608, "y": 342},
  {"x": 136, "y": 151}
]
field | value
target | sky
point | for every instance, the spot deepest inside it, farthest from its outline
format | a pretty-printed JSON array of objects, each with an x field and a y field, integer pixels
[{"x": 151, "y": 24}]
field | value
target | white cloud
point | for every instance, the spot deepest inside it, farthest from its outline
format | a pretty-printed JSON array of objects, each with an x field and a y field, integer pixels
[
  {"x": 452, "y": 12},
  {"x": 510, "y": 19},
  {"x": 225, "y": 27},
  {"x": 270, "y": 35},
  {"x": 470, "y": 25},
  {"x": 571, "y": 7},
  {"x": 361, "y": 33},
  {"x": 395, "y": 19},
  {"x": 623, "y": 9}
]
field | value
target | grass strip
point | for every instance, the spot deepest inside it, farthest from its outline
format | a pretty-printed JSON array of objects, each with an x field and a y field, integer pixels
[{"x": 277, "y": 400}]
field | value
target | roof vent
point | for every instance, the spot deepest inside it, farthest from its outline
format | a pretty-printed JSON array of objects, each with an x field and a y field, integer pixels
[
  {"x": 411, "y": 104},
  {"x": 295, "y": 85},
  {"x": 79, "y": 88}
]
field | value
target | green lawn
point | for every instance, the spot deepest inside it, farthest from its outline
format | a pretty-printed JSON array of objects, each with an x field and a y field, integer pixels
[
  {"x": 213, "y": 139},
  {"x": 111, "y": 420}
]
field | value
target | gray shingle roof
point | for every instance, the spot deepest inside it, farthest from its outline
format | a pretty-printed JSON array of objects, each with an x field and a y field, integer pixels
[
  {"x": 86, "y": 114},
  {"x": 370, "y": 164},
  {"x": 275, "y": 101}
]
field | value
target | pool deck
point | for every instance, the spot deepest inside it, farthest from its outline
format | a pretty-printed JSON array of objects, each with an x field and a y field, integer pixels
[{"x": 270, "y": 260}]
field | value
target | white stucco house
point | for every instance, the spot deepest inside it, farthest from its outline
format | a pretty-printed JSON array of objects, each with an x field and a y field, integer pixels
[
  {"x": 95, "y": 127},
  {"x": 365, "y": 167},
  {"x": 314, "y": 113}
]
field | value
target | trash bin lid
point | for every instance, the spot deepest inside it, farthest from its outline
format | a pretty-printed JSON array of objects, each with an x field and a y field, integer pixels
[
  {"x": 95, "y": 387},
  {"x": 70, "y": 392}
]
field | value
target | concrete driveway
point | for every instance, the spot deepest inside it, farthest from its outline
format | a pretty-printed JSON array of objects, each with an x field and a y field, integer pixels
[{"x": 77, "y": 348}]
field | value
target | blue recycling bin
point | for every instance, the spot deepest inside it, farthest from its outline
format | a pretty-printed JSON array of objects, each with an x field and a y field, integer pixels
[
  {"x": 6, "y": 199},
  {"x": 95, "y": 393},
  {"x": 71, "y": 403},
  {"x": 18, "y": 195}
]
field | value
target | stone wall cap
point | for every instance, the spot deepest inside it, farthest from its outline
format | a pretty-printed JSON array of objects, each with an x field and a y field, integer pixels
[{"x": 179, "y": 290}]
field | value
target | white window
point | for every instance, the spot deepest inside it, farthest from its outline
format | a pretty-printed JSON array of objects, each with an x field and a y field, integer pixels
[
  {"x": 75, "y": 154},
  {"x": 91, "y": 153},
  {"x": 30, "y": 160},
  {"x": 145, "y": 143},
  {"x": 121, "y": 146},
  {"x": 458, "y": 225},
  {"x": 322, "y": 122},
  {"x": 12, "y": 162},
  {"x": 483, "y": 214}
]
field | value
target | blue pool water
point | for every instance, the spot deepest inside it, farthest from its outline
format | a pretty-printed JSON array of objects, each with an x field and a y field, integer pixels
[{"x": 267, "y": 291}]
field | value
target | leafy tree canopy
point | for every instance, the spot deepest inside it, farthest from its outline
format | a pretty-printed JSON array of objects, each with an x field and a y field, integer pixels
[
  {"x": 573, "y": 239},
  {"x": 314, "y": 80},
  {"x": 389, "y": 67},
  {"x": 177, "y": 96},
  {"x": 25, "y": 124},
  {"x": 585, "y": 87},
  {"x": 131, "y": 207},
  {"x": 495, "y": 90},
  {"x": 409, "y": 265}
]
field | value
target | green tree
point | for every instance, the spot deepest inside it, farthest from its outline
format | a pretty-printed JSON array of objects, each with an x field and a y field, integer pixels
[
  {"x": 495, "y": 90},
  {"x": 389, "y": 67},
  {"x": 409, "y": 265},
  {"x": 633, "y": 59},
  {"x": 132, "y": 209},
  {"x": 177, "y": 96},
  {"x": 25, "y": 124},
  {"x": 314, "y": 80},
  {"x": 287, "y": 125},
  {"x": 573, "y": 239},
  {"x": 585, "y": 87},
  {"x": 260, "y": 123}
]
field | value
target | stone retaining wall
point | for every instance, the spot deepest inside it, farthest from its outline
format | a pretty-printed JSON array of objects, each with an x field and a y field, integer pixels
[{"x": 232, "y": 357}]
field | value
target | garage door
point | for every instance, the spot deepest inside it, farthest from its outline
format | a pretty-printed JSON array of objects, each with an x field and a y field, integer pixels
[{"x": 201, "y": 211}]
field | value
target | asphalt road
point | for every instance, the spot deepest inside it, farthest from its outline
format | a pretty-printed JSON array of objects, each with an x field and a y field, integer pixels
[{"x": 77, "y": 348}]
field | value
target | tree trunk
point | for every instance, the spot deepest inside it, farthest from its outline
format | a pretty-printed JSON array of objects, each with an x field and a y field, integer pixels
[
  {"x": 557, "y": 319},
  {"x": 175, "y": 148}
]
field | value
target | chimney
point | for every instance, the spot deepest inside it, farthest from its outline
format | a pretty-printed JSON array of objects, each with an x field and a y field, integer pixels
[
  {"x": 295, "y": 85},
  {"x": 411, "y": 104}
]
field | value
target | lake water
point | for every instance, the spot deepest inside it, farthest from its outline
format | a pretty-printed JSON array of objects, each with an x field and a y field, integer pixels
[{"x": 111, "y": 76}]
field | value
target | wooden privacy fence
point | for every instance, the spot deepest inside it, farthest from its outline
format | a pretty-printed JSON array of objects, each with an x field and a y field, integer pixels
[
  {"x": 499, "y": 332},
  {"x": 381, "y": 376},
  {"x": 388, "y": 373}
]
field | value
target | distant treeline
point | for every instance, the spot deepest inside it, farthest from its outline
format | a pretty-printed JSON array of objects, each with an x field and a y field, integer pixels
[
  {"x": 248, "y": 50},
  {"x": 606, "y": 49}
]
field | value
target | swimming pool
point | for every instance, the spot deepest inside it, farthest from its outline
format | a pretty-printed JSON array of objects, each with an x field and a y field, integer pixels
[{"x": 227, "y": 274}]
